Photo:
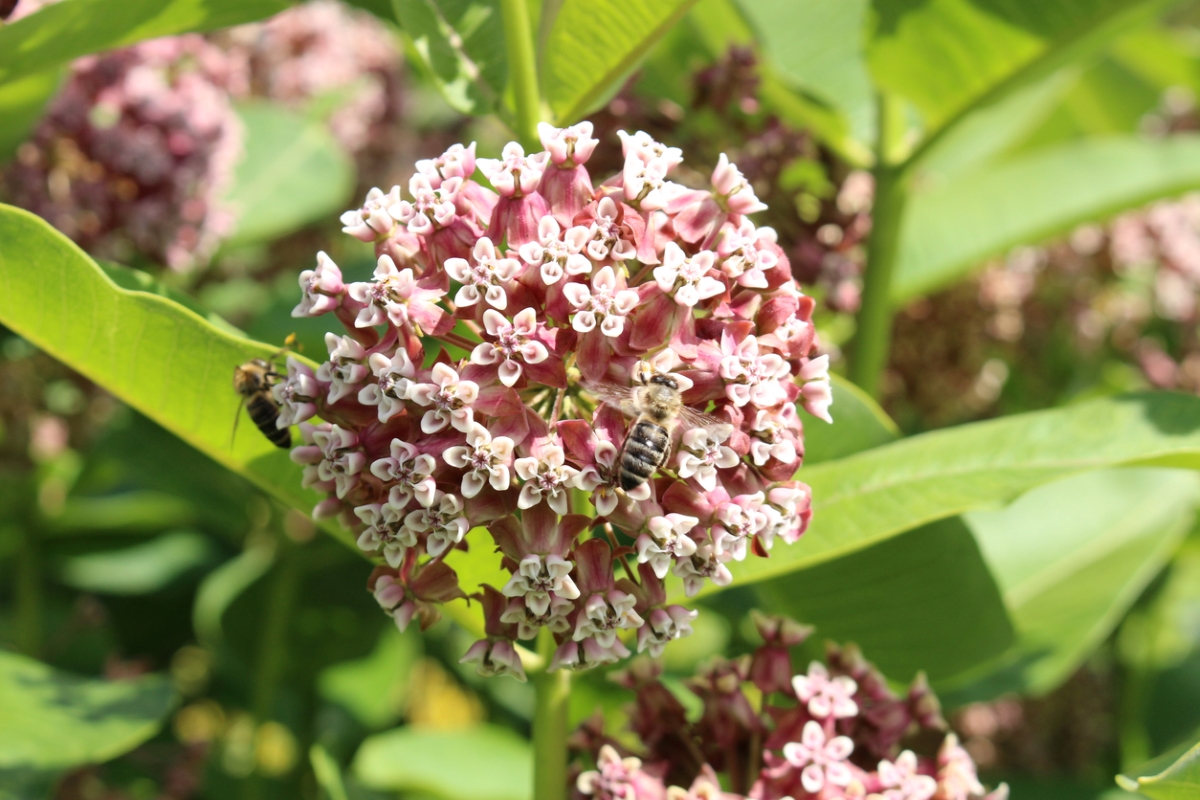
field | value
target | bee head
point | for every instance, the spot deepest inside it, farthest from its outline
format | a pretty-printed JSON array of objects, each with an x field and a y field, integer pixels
[{"x": 249, "y": 377}]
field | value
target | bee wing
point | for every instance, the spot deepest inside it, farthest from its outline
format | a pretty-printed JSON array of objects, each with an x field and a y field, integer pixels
[
  {"x": 619, "y": 397},
  {"x": 692, "y": 418}
]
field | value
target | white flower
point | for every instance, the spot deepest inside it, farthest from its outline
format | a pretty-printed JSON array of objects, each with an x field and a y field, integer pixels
[
  {"x": 826, "y": 696},
  {"x": 568, "y": 146},
  {"x": 389, "y": 392},
  {"x": 733, "y": 190},
  {"x": 821, "y": 761},
  {"x": 545, "y": 476},
  {"x": 687, "y": 278},
  {"x": 604, "y": 614},
  {"x": 605, "y": 303},
  {"x": 645, "y": 147},
  {"x": 770, "y": 436},
  {"x": 704, "y": 563},
  {"x": 540, "y": 580},
  {"x": 408, "y": 473},
  {"x": 750, "y": 377},
  {"x": 645, "y": 182},
  {"x": 668, "y": 540},
  {"x": 514, "y": 340},
  {"x": 737, "y": 523},
  {"x": 450, "y": 397},
  {"x": 345, "y": 368},
  {"x": 342, "y": 459},
  {"x": 555, "y": 617},
  {"x": 385, "y": 531},
  {"x": 431, "y": 208},
  {"x": 557, "y": 253},
  {"x": 702, "y": 453},
  {"x": 443, "y": 520},
  {"x": 514, "y": 174},
  {"x": 597, "y": 479},
  {"x": 372, "y": 220},
  {"x": 741, "y": 257},
  {"x": 386, "y": 298},
  {"x": 486, "y": 278},
  {"x": 485, "y": 460},
  {"x": 604, "y": 235},
  {"x": 320, "y": 288},
  {"x": 817, "y": 393},
  {"x": 664, "y": 625},
  {"x": 493, "y": 658},
  {"x": 296, "y": 395},
  {"x": 901, "y": 781}
]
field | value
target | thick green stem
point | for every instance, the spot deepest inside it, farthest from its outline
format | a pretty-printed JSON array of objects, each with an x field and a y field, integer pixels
[
  {"x": 550, "y": 728},
  {"x": 872, "y": 338},
  {"x": 522, "y": 69},
  {"x": 28, "y": 594}
]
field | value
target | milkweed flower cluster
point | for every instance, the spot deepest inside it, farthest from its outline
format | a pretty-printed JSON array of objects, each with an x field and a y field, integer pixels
[
  {"x": 135, "y": 151},
  {"x": 548, "y": 292},
  {"x": 833, "y": 732}
]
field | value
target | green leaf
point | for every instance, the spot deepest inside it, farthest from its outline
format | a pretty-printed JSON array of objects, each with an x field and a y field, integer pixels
[
  {"x": 594, "y": 44},
  {"x": 21, "y": 105},
  {"x": 460, "y": 45},
  {"x": 921, "y": 601},
  {"x": 951, "y": 56},
  {"x": 64, "y": 31},
  {"x": 859, "y": 424},
  {"x": 222, "y": 587},
  {"x": 327, "y": 772},
  {"x": 140, "y": 569},
  {"x": 485, "y": 762},
  {"x": 1172, "y": 776},
  {"x": 818, "y": 46},
  {"x": 866, "y": 498},
  {"x": 160, "y": 358},
  {"x": 54, "y": 720},
  {"x": 1071, "y": 557},
  {"x": 375, "y": 688},
  {"x": 950, "y": 229},
  {"x": 293, "y": 172}
]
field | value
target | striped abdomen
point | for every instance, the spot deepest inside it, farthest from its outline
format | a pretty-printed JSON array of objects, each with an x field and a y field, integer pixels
[
  {"x": 265, "y": 411},
  {"x": 645, "y": 451}
]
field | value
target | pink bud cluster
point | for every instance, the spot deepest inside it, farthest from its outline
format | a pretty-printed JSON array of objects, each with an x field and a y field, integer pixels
[
  {"x": 549, "y": 295},
  {"x": 135, "y": 152},
  {"x": 322, "y": 49},
  {"x": 835, "y": 732}
]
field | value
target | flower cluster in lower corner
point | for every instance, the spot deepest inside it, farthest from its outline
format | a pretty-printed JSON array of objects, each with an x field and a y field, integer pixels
[
  {"x": 491, "y": 374},
  {"x": 833, "y": 732}
]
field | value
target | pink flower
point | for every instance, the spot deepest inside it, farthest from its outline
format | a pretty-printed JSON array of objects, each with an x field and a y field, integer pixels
[
  {"x": 442, "y": 522},
  {"x": 901, "y": 781},
  {"x": 514, "y": 174},
  {"x": 408, "y": 473},
  {"x": 702, "y": 453},
  {"x": 514, "y": 340},
  {"x": 774, "y": 436},
  {"x": 345, "y": 369},
  {"x": 396, "y": 297},
  {"x": 744, "y": 258},
  {"x": 296, "y": 395},
  {"x": 817, "y": 393},
  {"x": 430, "y": 209},
  {"x": 605, "y": 614},
  {"x": 731, "y": 187},
  {"x": 704, "y": 563},
  {"x": 751, "y": 377},
  {"x": 394, "y": 376},
  {"x": 664, "y": 625},
  {"x": 647, "y": 149},
  {"x": 667, "y": 541},
  {"x": 587, "y": 654},
  {"x": 540, "y": 581},
  {"x": 546, "y": 476},
  {"x": 557, "y": 253},
  {"x": 823, "y": 696},
  {"x": 385, "y": 532},
  {"x": 494, "y": 657},
  {"x": 486, "y": 460},
  {"x": 529, "y": 623},
  {"x": 738, "y": 522},
  {"x": 322, "y": 288},
  {"x": 821, "y": 760},
  {"x": 605, "y": 237},
  {"x": 486, "y": 278},
  {"x": 571, "y": 146},
  {"x": 604, "y": 303},
  {"x": 451, "y": 399},
  {"x": 686, "y": 278},
  {"x": 372, "y": 220}
]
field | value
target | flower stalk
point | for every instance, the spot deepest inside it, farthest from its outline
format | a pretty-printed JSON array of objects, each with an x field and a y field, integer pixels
[
  {"x": 522, "y": 66},
  {"x": 553, "y": 694}
]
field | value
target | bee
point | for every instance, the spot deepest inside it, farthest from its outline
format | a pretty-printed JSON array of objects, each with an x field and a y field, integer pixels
[
  {"x": 253, "y": 381},
  {"x": 655, "y": 401}
]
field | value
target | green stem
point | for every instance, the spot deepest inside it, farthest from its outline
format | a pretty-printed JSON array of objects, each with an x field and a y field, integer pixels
[
  {"x": 874, "y": 330},
  {"x": 522, "y": 68},
  {"x": 28, "y": 593},
  {"x": 550, "y": 727},
  {"x": 272, "y": 647}
]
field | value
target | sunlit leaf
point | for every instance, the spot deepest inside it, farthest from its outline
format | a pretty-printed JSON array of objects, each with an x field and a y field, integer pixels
[
  {"x": 485, "y": 762},
  {"x": 293, "y": 172},
  {"x": 55, "y": 720},
  {"x": 61, "y": 32},
  {"x": 866, "y": 498},
  {"x": 859, "y": 424},
  {"x": 374, "y": 688},
  {"x": 140, "y": 569},
  {"x": 595, "y": 43},
  {"x": 950, "y": 229},
  {"x": 21, "y": 104},
  {"x": 1175, "y": 775}
]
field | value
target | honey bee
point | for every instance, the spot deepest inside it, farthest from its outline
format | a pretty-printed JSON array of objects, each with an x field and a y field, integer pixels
[
  {"x": 656, "y": 404},
  {"x": 253, "y": 381}
]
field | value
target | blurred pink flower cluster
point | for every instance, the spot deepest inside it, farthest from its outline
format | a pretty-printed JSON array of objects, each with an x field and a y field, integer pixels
[
  {"x": 548, "y": 294},
  {"x": 135, "y": 151},
  {"x": 326, "y": 52},
  {"x": 1166, "y": 237},
  {"x": 834, "y": 732}
]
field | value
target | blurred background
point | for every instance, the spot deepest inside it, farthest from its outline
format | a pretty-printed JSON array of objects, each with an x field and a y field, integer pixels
[{"x": 251, "y": 661}]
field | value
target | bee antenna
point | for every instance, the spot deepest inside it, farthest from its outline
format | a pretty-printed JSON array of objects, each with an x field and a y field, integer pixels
[{"x": 237, "y": 417}]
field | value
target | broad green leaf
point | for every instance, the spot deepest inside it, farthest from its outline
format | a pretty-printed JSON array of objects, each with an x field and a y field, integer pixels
[
  {"x": 1174, "y": 775},
  {"x": 950, "y": 229},
  {"x": 595, "y": 43},
  {"x": 136, "y": 280},
  {"x": 374, "y": 688},
  {"x": 128, "y": 512},
  {"x": 21, "y": 105},
  {"x": 859, "y": 424},
  {"x": 224, "y": 585},
  {"x": 54, "y": 720},
  {"x": 1070, "y": 558},
  {"x": 293, "y": 172},
  {"x": 64, "y": 31},
  {"x": 140, "y": 569},
  {"x": 485, "y": 762},
  {"x": 1162, "y": 634},
  {"x": 155, "y": 355},
  {"x": 460, "y": 45},
  {"x": 327, "y": 773},
  {"x": 866, "y": 498},
  {"x": 818, "y": 46},
  {"x": 950, "y": 56},
  {"x": 921, "y": 601}
]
